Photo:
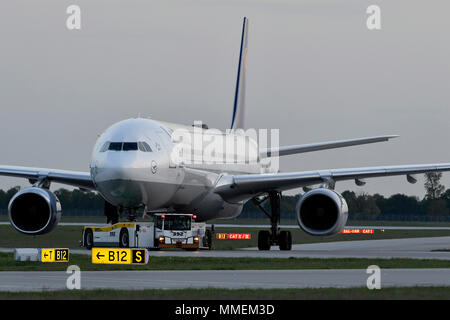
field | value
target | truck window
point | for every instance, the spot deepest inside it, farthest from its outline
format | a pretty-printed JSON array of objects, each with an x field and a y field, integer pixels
[
  {"x": 158, "y": 222},
  {"x": 177, "y": 223}
]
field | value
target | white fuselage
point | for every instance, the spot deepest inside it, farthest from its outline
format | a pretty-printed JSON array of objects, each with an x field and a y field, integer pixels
[{"x": 134, "y": 178}]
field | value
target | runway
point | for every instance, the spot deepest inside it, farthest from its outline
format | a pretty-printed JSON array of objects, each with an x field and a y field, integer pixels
[{"x": 230, "y": 279}]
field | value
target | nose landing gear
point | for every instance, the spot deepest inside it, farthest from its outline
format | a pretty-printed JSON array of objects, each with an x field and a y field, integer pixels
[
  {"x": 111, "y": 213},
  {"x": 266, "y": 238}
]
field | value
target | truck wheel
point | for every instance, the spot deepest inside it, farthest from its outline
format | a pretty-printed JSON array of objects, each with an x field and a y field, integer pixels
[
  {"x": 88, "y": 239},
  {"x": 124, "y": 238}
]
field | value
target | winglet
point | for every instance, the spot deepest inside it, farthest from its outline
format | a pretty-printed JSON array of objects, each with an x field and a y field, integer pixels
[{"x": 237, "y": 122}]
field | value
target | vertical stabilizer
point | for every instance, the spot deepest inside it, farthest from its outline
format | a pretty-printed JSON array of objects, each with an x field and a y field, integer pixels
[{"x": 237, "y": 121}]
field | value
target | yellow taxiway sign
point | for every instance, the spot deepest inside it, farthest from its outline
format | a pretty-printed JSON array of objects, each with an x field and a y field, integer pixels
[
  {"x": 55, "y": 255},
  {"x": 119, "y": 256}
]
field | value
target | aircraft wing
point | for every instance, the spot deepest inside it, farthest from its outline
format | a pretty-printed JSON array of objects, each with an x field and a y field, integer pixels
[
  {"x": 236, "y": 188},
  {"x": 77, "y": 179},
  {"x": 288, "y": 150}
]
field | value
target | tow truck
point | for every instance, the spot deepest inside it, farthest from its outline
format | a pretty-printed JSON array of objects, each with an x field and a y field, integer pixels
[{"x": 168, "y": 230}]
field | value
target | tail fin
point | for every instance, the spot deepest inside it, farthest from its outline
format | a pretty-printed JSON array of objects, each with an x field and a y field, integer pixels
[{"x": 237, "y": 121}]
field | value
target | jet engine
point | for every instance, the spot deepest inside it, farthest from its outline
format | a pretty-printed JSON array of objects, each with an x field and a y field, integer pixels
[
  {"x": 34, "y": 211},
  {"x": 322, "y": 212}
]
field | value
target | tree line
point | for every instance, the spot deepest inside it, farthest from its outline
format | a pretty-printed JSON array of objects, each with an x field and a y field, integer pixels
[
  {"x": 362, "y": 206},
  {"x": 74, "y": 203}
]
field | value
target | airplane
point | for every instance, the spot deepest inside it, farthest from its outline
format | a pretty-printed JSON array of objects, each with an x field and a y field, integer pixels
[{"x": 132, "y": 168}]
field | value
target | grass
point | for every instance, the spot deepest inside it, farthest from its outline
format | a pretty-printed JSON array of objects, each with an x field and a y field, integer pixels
[
  {"x": 7, "y": 263},
  {"x": 70, "y": 236},
  {"x": 404, "y": 293},
  {"x": 61, "y": 237}
]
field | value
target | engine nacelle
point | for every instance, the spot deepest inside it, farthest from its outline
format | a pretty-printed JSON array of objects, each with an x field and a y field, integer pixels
[
  {"x": 322, "y": 212},
  {"x": 34, "y": 211}
]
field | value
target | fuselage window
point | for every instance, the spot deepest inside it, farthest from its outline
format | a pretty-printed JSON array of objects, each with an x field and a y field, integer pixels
[
  {"x": 115, "y": 146},
  {"x": 130, "y": 146}
]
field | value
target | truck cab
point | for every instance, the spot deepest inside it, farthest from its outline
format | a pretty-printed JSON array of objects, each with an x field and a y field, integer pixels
[{"x": 179, "y": 231}]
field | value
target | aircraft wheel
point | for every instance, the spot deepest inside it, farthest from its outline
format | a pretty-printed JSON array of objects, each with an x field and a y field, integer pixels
[
  {"x": 88, "y": 239},
  {"x": 264, "y": 241},
  {"x": 285, "y": 240},
  {"x": 124, "y": 238}
]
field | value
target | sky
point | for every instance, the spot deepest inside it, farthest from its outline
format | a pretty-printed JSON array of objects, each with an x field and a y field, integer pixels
[{"x": 315, "y": 72}]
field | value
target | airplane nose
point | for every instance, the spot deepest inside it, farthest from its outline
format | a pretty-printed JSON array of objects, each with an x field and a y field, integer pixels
[
  {"x": 104, "y": 174},
  {"x": 117, "y": 181},
  {"x": 117, "y": 167},
  {"x": 118, "y": 173}
]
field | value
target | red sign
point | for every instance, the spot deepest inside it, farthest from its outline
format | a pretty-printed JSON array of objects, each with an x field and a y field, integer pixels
[
  {"x": 239, "y": 236},
  {"x": 234, "y": 236},
  {"x": 357, "y": 231}
]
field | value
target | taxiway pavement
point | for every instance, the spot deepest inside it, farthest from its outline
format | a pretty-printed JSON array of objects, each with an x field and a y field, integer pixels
[
  {"x": 230, "y": 279},
  {"x": 414, "y": 248}
]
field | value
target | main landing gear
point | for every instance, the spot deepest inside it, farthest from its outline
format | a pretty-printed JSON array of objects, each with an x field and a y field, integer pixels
[{"x": 267, "y": 238}]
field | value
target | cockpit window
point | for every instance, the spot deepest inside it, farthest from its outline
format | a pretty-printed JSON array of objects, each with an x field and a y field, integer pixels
[
  {"x": 126, "y": 146},
  {"x": 143, "y": 146},
  {"x": 105, "y": 147},
  {"x": 115, "y": 146},
  {"x": 130, "y": 146}
]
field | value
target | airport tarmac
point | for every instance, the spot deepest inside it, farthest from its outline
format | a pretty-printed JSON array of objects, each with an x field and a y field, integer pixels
[
  {"x": 230, "y": 279},
  {"x": 266, "y": 226},
  {"x": 419, "y": 248},
  {"x": 414, "y": 248}
]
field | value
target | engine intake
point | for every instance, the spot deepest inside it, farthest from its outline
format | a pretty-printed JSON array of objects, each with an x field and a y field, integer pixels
[
  {"x": 34, "y": 211},
  {"x": 322, "y": 212}
]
